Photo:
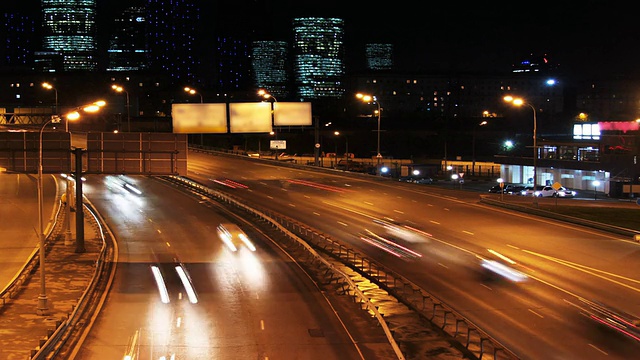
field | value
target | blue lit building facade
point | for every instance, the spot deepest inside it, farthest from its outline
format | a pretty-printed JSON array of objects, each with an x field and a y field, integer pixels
[
  {"x": 70, "y": 31},
  {"x": 232, "y": 65},
  {"x": 16, "y": 41},
  {"x": 171, "y": 29},
  {"x": 319, "y": 57}
]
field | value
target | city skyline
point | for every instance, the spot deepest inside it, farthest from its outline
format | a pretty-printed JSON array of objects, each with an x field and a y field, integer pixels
[{"x": 593, "y": 39}]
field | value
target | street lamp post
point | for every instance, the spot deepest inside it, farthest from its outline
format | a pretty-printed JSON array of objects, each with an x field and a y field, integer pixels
[
  {"x": 50, "y": 87},
  {"x": 520, "y": 102},
  {"x": 193, "y": 92},
  {"x": 473, "y": 146},
  {"x": 346, "y": 150},
  {"x": 268, "y": 96},
  {"x": 370, "y": 99},
  {"x": 596, "y": 183},
  {"x": 121, "y": 89},
  {"x": 42, "y": 298}
]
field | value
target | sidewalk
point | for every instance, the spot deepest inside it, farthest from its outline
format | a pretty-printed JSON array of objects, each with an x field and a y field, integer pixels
[{"x": 67, "y": 276}]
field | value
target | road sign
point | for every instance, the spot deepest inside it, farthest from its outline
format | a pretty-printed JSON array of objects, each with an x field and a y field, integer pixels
[
  {"x": 638, "y": 201},
  {"x": 556, "y": 186}
]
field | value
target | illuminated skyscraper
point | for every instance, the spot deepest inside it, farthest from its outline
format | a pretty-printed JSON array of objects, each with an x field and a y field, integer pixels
[
  {"x": 269, "y": 63},
  {"x": 128, "y": 43},
  {"x": 379, "y": 56},
  {"x": 319, "y": 57},
  {"x": 70, "y": 30}
]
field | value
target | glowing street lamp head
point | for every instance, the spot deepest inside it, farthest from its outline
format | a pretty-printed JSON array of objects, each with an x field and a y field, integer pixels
[
  {"x": 190, "y": 90},
  {"x": 47, "y": 86},
  {"x": 74, "y": 115},
  {"x": 117, "y": 88},
  {"x": 266, "y": 95},
  {"x": 514, "y": 101},
  {"x": 364, "y": 97},
  {"x": 90, "y": 108}
]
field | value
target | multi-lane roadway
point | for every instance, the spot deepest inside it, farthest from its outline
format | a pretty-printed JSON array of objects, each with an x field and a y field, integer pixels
[
  {"x": 542, "y": 317},
  {"x": 180, "y": 293}
]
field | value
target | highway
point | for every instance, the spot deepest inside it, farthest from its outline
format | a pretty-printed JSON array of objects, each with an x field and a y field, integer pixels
[
  {"x": 243, "y": 305},
  {"x": 540, "y": 317}
]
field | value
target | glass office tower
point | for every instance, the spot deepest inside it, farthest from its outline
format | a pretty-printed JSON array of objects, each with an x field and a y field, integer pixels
[
  {"x": 319, "y": 57},
  {"x": 128, "y": 42},
  {"x": 70, "y": 30},
  {"x": 269, "y": 63}
]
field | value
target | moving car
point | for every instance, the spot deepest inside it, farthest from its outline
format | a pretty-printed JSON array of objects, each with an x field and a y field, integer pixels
[
  {"x": 500, "y": 266},
  {"x": 617, "y": 320},
  {"x": 233, "y": 237}
]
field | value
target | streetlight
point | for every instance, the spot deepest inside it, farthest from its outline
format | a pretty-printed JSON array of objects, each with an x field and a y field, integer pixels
[
  {"x": 501, "y": 182},
  {"x": 42, "y": 298},
  {"x": 369, "y": 99},
  {"x": 268, "y": 96},
  {"x": 73, "y": 115},
  {"x": 473, "y": 146},
  {"x": 121, "y": 89},
  {"x": 520, "y": 102},
  {"x": 50, "y": 87},
  {"x": 346, "y": 150},
  {"x": 193, "y": 92},
  {"x": 596, "y": 183}
]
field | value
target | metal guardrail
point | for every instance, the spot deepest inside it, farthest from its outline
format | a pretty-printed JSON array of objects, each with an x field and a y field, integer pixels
[
  {"x": 429, "y": 307},
  {"x": 287, "y": 231},
  {"x": 54, "y": 342}
]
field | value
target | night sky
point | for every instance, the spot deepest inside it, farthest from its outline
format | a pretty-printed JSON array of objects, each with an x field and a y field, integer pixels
[{"x": 587, "y": 38}]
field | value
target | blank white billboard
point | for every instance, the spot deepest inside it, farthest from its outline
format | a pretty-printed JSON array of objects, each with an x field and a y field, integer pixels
[
  {"x": 199, "y": 118},
  {"x": 253, "y": 117},
  {"x": 292, "y": 113}
]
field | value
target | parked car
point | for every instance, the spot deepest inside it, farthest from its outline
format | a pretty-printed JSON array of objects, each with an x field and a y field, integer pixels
[
  {"x": 515, "y": 190},
  {"x": 564, "y": 192},
  {"x": 529, "y": 191},
  {"x": 423, "y": 180},
  {"x": 506, "y": 188},
  {"x": 549, "y": 191},
  {"x": 417, "y": 180}
]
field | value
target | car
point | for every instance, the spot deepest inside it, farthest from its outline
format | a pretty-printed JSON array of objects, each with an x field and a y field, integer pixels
[
  {"x": 564, "y": 192},
  {"x": 505, "y": 188},
  {"x": 233, "y": 236},
  {"x": 612, "y": 318},
  {"x": 529, "y": 190},
  {"x": 416, "y": 180},
  {"x": 423, "y": 180},
  {"x": 549, "y": 191},
  {"x": 515, "y": 190},
  {"x": 402, "y": 231},
  {"x": 497, "y": 265}
]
